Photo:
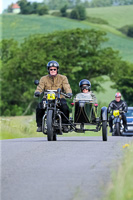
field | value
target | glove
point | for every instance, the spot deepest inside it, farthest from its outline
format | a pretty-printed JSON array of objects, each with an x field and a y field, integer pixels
[
  {"x": 37, "y": 94},
  {"x": 70, "y": 94}
]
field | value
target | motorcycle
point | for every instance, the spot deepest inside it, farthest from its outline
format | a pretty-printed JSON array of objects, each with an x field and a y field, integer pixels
[
  {"x": 85, "y": 110},
  {"x": 117, "y": 126}
]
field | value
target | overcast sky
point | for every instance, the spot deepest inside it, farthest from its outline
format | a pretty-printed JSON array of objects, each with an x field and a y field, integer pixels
[{"x": 4, "y": 3}]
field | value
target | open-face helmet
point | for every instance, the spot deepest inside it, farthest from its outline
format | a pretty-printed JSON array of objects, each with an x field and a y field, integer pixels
[{"x": 53, "y": 63}]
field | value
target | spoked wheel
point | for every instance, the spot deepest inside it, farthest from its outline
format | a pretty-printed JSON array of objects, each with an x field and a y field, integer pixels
[
  {"x": 104, "y": 130},
  {"x": 50, "y": 130}
]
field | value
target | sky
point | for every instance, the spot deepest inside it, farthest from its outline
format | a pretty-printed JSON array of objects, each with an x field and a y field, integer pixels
[{"x": 5, "y": 3}]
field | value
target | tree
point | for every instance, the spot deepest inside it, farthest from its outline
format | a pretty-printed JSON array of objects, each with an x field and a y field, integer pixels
[
  {"x": 78, "y": 52},
  {"x": 63, "y": 11},
  {"x": 124, "y": 82},
  {"x": 42, "y": 10},
  {"x": 78, "y": 13}
]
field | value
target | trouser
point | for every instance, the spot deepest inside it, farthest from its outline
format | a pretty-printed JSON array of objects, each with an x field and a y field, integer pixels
[
  {"x": 123, "y": 118},
  {"x": 40, "y": 112}
]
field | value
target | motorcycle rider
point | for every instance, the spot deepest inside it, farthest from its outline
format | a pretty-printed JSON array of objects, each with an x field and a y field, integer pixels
[
  {"x": 85, "y": 87},
  {"x": 118, "y": 104},
  {"x": 53, "y": 81}
]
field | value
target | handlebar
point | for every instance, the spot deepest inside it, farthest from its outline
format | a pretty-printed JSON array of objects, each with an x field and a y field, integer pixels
[{"x": 58, "y": 91}]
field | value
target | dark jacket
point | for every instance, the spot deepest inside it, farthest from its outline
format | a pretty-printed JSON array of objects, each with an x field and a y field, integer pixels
[{"x": 114, "y": 105}]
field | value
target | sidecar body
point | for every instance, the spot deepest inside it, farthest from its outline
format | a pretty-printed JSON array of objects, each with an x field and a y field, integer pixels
[{"x": 85, "y": 109}]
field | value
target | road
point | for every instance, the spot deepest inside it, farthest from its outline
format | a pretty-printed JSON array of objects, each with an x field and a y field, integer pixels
[{"x": 72, "y": 168}]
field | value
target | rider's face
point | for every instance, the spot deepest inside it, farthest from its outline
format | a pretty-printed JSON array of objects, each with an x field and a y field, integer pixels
[
  {"x": 117, "y": 99},
  {"x": 84, "y": 90},
  {"x": 53, "y": 71}
]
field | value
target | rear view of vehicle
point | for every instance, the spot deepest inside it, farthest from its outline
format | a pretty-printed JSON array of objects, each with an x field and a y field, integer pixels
[{"x": 129, "y": 117}]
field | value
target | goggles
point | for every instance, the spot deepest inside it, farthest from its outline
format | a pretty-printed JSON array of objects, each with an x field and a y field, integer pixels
[
  {"x": 53, "y": 65},
  {"x": 85, "y": 87}
]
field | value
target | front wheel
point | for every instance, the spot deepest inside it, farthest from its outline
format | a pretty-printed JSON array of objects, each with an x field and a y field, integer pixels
[
  {"x": 104, "y": 130},
  {"x": 50, "y": 130},
  {"x": 117, "y": 129}
]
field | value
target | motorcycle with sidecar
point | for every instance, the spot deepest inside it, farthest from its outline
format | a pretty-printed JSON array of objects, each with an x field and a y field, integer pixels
[{"x": 84, "y": 113}]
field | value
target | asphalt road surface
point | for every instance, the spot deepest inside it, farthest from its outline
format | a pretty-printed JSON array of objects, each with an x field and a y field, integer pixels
[{"x": 72, "y": 168}]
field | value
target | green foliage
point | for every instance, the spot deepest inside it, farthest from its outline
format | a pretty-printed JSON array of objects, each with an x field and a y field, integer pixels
[
  {"x": 96, "y": 20},
  {"x": 127, "y": 30},
  {"x": 124, "y": 82},
  {"x": 42, "y": 10},
  {"x": 78, "y": 52},
  {"x": 63, "y": 11},
  {"x": 78, "y": 13},
  {"x": 32, "y": 8}
]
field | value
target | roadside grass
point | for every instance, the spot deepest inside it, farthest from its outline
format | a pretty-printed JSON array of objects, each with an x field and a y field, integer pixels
[
  {"x": 25, "y": 127},
  {"x": 122, "y": 181}
]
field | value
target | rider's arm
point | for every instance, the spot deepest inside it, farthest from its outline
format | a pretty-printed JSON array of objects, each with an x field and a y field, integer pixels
[
  {"x": 125, "y": 106},
  {"x": 110, "y": 107},
  {"x": 66, "y": 85},
  {"x": 94, "y": 97},
  {"x": 41, "y": 86}
]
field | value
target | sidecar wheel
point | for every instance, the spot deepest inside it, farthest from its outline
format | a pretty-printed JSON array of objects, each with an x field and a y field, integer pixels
[
  {"x": 54, "y": 137},
  {"x": 50, "y": 131},
  {"x": 104, "y": 130}
]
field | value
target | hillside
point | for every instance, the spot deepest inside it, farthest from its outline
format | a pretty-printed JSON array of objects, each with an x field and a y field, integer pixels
[
  {"x": 117, "y": 16},
  {"x": 21, "y": 26}
]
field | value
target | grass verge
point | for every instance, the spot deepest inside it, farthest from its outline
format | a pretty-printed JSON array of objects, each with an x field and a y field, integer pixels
[
  {"x": 25, "y": 127},
  {"x": 122, "y": 184}
]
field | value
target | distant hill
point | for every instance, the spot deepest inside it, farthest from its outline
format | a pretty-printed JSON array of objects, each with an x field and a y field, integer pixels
[{"x": 21, "y": 26}]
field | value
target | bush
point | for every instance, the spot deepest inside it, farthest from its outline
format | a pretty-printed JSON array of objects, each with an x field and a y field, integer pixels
[
  {"x": 63, "y": 11},
  {"x": 127, "y": 30},
  {"x": 57, "y": 14},
  {"x": 78, "y": 13},
  {"x": 96, "y": 20},
  {"x": 43, "y": 10}
]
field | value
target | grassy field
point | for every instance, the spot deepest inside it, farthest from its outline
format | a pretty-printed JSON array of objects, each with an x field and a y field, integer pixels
[
  {"x": 21, "y": 26},
  {"x": 25, "y": 127},
  {"x": 116, "y": 16},
  {"x": 108, "y": 94},
  {"x": 122, "y": 180}
]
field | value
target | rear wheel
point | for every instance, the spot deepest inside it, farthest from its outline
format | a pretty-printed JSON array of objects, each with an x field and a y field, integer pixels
[
  {"x": 50, "y": 131},
  {"x": 104, "y": 130}
]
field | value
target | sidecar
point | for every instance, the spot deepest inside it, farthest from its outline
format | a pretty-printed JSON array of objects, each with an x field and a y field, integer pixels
[{"x": 84, "y": 112}]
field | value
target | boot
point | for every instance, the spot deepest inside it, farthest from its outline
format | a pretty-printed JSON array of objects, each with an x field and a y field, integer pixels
[
  {"x": 39, "y": 129},
  {"x": 65, "y": 129}
]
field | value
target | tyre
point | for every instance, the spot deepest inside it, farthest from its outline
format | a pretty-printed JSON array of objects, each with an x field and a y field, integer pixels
[
  {"x": 54, "y": 137},
  {"x": 117, "y": 129},
  {"x": 104, "y": 130},
  {"x": 49, "y": 121}
]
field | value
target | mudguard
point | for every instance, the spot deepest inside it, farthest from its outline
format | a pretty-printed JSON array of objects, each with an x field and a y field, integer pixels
[
  {"x": 104, "y": 114},
  {"x": 117, "y": 120}
]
